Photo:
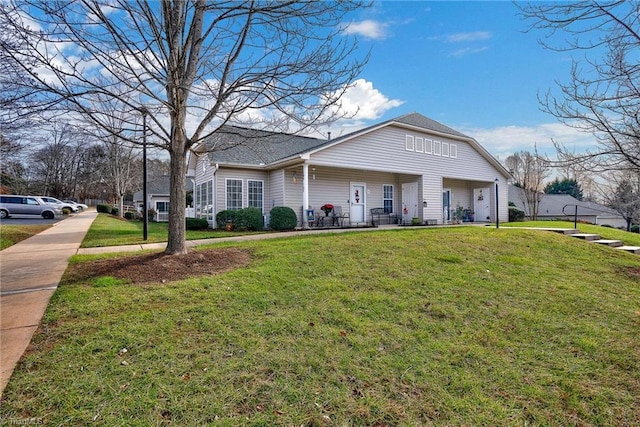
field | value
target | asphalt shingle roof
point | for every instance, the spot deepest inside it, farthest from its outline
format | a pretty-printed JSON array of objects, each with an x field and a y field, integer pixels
[{"x": 243, "y": 146}]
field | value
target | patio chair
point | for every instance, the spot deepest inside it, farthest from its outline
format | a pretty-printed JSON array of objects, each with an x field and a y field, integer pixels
[{"x": 339, "y": 216}]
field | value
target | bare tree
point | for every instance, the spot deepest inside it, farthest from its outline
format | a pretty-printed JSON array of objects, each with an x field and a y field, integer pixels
[
  {"x": 602, "y": 96},
  {"x": 189, "y": 65},
  {"x": 529, "y": 171},
  {"x": 624, "y": 196}
]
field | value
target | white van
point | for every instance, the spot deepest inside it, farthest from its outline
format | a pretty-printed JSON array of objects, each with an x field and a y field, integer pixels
[{"x": 26, "y": 205}]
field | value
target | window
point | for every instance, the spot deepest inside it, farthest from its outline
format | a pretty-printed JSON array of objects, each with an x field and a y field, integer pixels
[
  {"x": 445, "y": 149},
  {"x": 255, "y": 194},
  {"x": 453, "y": 151},
  {"x": 428, "y": 146},
  {"x": 234, "y": 194},
  {"x": 409, "y": 143},
  {"x": 204, "y": 200},
  {"x": 387, "y": 198},
  {"x": 437, "y": 150},
  {"x": 162, "y": 206},
  {"x": 419, "y": 145}
]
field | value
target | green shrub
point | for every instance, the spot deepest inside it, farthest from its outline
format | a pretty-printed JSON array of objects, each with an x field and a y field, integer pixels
[
  {"x": 129, "y": 215},
  {"x": 283, "y": 218},
  {"x": 114, "y": 211},
  {"x": 515, "y": 214},
  {"x": 249, "y": 219},
  {"x": 196, "y": 224},
  {"x": 223, "y": 216},
  {"x": 635, "y": 228},
  {"x": 101, "y": 208}
]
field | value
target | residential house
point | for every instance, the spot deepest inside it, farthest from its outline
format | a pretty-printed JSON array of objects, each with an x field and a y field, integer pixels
[
  {"x": 568, "y": 208},
  {"x": 157, "y": 197},
  {"x": 410, "y": 166}
]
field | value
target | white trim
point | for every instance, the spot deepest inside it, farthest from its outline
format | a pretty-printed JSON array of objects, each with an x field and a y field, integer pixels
[
  {"x": 409, "y": 143},
  {"x": 437, "y": 148},
  {"x": 428, "y": 146},
  {"x": 453, "y": 151},
  {"x": 445, "y": 149},
  {"x": 419, "y": 145},
  {"x": 256, "y": 180}
]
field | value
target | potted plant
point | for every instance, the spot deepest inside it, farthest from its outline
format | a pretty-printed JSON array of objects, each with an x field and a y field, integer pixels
[{"x": 327, "y": 208}]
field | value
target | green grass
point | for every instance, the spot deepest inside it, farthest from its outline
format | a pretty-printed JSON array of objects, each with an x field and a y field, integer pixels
[
  {"x": 108, "y": 230},
  {"x": 631, "y": 239},
  {"x": 12, "y": 234},
  {"x": 456, "y": 326}
]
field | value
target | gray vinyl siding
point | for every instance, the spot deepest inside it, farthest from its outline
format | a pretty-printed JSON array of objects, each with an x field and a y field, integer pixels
[
  {"x": 385, "y": 150},
  {"x": 333, "y": 185},
  {"x": 242, "y": 174}
]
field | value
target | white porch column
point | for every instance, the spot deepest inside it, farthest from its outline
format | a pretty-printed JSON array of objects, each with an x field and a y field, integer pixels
[{"x": 305, "y": 194}]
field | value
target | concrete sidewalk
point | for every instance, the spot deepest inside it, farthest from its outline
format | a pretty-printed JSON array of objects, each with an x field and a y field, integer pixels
[{"x": 29, "y": 275}]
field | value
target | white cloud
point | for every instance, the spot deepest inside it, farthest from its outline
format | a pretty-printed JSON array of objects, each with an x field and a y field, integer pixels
[
  {"x": 468, "y": 51},
  {"x": 368, "y": 28},
  {"x": 468, "y": 37},
  {"x": 505, "y": 140},
  {"x": 362, "y": 101}
]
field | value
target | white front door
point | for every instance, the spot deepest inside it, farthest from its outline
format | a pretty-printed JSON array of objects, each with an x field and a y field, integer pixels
[
  {"x": 409, "y": 202},
  {"x": 357, "y": 201},
  {"x": 481, "y": 204}
]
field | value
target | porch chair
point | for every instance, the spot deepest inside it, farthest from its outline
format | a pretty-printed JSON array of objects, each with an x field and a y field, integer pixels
[{"x": 339, "y": 216}]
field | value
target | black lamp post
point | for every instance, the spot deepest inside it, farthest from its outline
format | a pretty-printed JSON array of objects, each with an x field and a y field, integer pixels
[
  {"x": 497, "y": 206},
  {"x": 145, "y": 201}
]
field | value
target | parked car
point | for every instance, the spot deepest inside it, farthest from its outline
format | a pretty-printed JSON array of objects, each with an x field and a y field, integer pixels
[
  {"x": 27, "y": 205},
  {"x": 66, "y": 208},
  {"x": 80, "y": 206}
]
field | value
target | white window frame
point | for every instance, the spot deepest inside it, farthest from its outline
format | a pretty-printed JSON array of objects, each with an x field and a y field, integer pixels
[
  {"x": 453, "y": 151},
  {"x": 249, "y": 181},
  {"x": 419, "y": 145},
  {"x": 409, "y": 143},
  {"x": 226, "y": 193},
  {"x": 392, "y": 198},
  {"x": 445, "y": 149},
  {"x": 437, "y": 148},
  {"x": 428, "y": 146}
]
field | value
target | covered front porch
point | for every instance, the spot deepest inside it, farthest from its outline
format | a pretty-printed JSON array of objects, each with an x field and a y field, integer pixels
[{"x": 373, "y": 197}]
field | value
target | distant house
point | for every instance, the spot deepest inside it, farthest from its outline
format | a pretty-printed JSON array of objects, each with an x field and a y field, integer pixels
[
  {"x": 563, "y": 207},
  {"x": 410, "y": 166},
  {"x": 158, "y": 197}
]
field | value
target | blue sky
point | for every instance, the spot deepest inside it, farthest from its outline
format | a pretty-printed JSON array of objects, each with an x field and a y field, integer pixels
[{"x": 467, "y": 64}]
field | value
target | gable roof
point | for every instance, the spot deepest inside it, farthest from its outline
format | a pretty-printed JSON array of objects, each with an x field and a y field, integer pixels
[
  {"x": 243, "y": 146},
  {"x": 233, "y": 145}
]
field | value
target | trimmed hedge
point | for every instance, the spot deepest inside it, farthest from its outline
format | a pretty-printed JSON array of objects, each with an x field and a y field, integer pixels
[
  {"x": 103, "y": 208},
  {"x": 249, "y": 219},
  {"x": 196, "y": 224},
  {"x": 129, "y": 215},
  {"x": 223, "y": 216},
  {"x": 283, "y": 218}
]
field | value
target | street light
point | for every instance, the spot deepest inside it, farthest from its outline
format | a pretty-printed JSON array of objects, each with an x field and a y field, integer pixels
[
  {"x": 497, "y": 206},
  {"x": 145, "y": 201}
]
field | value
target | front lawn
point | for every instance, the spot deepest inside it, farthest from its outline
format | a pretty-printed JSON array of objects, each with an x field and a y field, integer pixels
[
  {"x": 12, "y": 234},
  {"x": 108, "y": 230},
  {"x": 441, "y": 326}
]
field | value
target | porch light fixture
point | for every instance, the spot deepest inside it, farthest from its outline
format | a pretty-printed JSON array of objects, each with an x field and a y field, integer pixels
[
  {"x": 313, "y": 173},
  {"x": 294, "y": 177},
  {"x": 497, "y": 206}
]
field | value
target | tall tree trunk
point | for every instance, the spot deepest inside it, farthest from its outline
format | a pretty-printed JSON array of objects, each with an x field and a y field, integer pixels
[{"x": 177, "y": 182}]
